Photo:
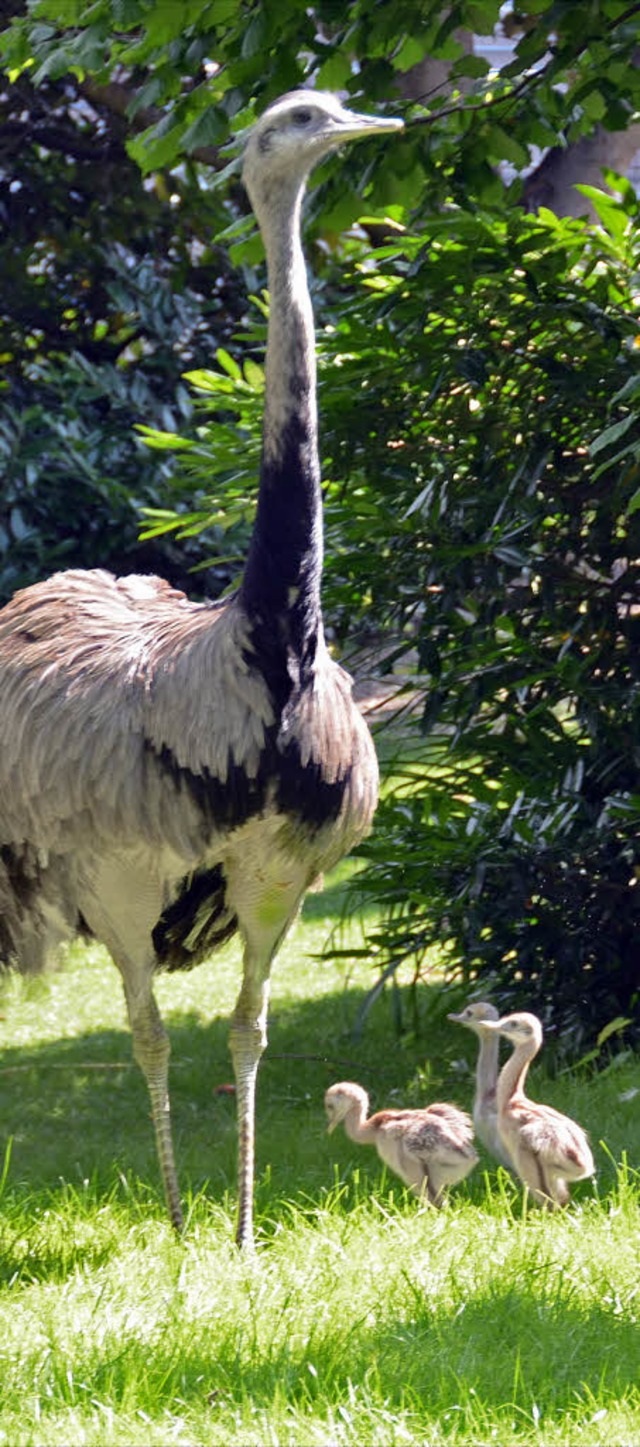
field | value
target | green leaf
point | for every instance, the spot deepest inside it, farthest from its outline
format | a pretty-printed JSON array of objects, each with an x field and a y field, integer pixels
[
  {"x": 609, "y": 210},
  {"x": 506, "y": 147},
  {"x": 411, "y": 52},
  {"x": 474, "y": 66},
  {"x": 254, "y": 36},
  {"x": 614, "y": 1027},
  {"x": 209, "y": 129},
  {"x": 482, "y": 16},
  {"x": 630, "y": 390},
  {"x": 253, "y": 375},
  {"x": 335, "y": 71},
  {"x": 57, "y": 63},
  {"x": 593, "y": 104},
  {"x": 220, "y": 12},
  {"x": 612, "y": 434},
  {"x": 228, "y": 364},
  {"x": 156, "y": 147},
  {"x": 163, "y": 441}
]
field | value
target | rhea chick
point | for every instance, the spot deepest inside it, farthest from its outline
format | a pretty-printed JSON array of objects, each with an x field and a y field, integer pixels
[
  {"x": 485, "y": 1104},
  {"x": 428, "y": 1149},
  {"x": 547, "y": 1149}
]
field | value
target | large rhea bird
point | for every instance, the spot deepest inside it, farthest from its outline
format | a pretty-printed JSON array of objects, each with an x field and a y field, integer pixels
[{"x": 171, "y": 772}]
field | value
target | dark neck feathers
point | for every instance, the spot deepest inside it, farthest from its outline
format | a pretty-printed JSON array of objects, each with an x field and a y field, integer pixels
[{"x": 281, "y": 585}]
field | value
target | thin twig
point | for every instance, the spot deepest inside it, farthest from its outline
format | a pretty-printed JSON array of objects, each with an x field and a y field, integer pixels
[
  {"x": 466, "y": 108},
  {"x": 70, "y": 1065},
  {"x": 528, "y": 80},
  {"x": 323, "y": 1059}
]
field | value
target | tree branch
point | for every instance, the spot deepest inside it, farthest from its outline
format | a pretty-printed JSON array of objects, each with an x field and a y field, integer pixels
[
  {"x": 467, "y": 108},
  {"x": 523, "y": 85}
]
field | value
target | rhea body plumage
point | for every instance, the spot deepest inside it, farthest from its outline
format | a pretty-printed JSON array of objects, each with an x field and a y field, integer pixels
[
  {"x": 485, "y": 1102},
  {"x": 428, "y": 1149},
  {"x": 173, "y": 772},
  {"x": 548, "y": 1149}
]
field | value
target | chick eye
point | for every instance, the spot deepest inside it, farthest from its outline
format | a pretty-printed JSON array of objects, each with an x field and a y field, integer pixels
[{"x": 302, "y": 117}]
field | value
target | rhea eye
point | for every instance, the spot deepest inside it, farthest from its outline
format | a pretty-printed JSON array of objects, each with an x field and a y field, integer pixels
[{"x": 302, "y": 117}]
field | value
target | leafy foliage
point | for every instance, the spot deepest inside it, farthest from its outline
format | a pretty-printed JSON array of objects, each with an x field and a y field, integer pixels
[
  {"x": 104, "y": 306},
  {"x": 518, "y": 587},
  {"x": 194, "y": 67}
]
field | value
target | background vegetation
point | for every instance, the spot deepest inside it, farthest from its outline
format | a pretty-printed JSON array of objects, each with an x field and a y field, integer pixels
[{"x": 480, "y": 419}]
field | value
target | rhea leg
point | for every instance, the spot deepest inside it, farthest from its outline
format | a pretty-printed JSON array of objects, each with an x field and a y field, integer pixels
[
  {"x": 419, "y": 1181},
  {"x": 531, "y": 1170},
  {"x": 247, "y": 1040},
  {"x": 121, "y": 902},
  {"x": 264, "y": 894},
  {"x": 152, "y": 1049},
  {"x": 433, "y": 1191}
]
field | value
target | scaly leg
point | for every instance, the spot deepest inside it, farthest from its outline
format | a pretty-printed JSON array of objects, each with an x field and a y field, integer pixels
[
  {"x": 121, "y": 903},
  {"x": 151, "y": 1049},
  {"x": 531, "y": 1170},
  {"x": 425, "y": 1187},
  {"x": 247, "y": 1040},
  {"x": 264, "y": 890}
]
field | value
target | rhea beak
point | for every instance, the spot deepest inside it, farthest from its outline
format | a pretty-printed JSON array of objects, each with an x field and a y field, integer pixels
[
  {"x": 458, "y": 1019},
  {"x": 332, "y": 1125},
  {"x": 360, "y": 125}
]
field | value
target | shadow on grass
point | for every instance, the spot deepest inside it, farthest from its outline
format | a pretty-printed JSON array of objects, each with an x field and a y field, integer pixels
[
  {"x": 520, "y": 1354},
  {"x": 75, "y": 1106},
  {"x": 77, "y": 1109},
  {"x": 509, "y": 1350}
]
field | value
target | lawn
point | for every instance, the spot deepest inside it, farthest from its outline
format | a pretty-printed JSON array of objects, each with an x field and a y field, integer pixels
[{"x": 363, "y": 1317}]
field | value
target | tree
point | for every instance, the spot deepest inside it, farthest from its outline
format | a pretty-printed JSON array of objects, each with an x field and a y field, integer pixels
[
  {"x": 556, "y": 183},
  {"x": 107, "y": 299}
]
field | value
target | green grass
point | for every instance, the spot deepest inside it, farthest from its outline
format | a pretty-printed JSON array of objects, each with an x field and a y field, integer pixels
[{"x": 363, "y": 1317}]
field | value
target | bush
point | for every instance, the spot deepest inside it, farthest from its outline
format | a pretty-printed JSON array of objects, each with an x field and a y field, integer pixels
[{"x": 515, "y": 580}]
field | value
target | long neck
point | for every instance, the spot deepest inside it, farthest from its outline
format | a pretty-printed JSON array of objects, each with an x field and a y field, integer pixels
[
  {"x": 357, "y": 1126},
  {"x": 513, "y": 1074},
  {"x": 282, "y": 577},
  {"x": 487, "y": 1067}
]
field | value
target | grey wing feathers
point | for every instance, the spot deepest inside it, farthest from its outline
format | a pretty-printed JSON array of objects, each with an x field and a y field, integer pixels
[
  {"x": 445, "y": 1133},
  {"x": 440, "y": 1129},
  {"x": 329, "y": 730},
  {"x": 89, "y": 666}
]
